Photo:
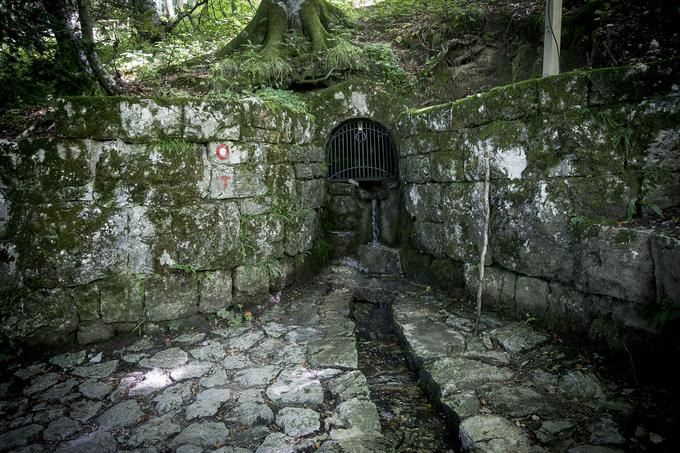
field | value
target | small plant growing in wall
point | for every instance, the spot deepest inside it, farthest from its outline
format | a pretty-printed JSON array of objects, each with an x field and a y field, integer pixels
[
  {"x": 234, "y": 319},
  {"x": 272, "y": 267},
  {"x": 187, "y": 268}
]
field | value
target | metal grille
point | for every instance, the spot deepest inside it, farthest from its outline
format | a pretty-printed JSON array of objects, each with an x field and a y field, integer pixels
[{"x": 361, "y": 150}]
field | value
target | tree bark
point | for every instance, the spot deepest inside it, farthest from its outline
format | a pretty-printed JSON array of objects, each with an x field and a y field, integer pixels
[
  {"x": 146, "y": 19},
  {"x": 274, "y": 18},
  {"x": 72, "y": 27},
  {"x": 485, "y": 240},
  {"x": 88, "y": 45}
]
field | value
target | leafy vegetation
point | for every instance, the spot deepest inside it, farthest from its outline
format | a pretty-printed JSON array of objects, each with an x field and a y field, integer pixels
[
  {"x": 187, "y": 268},
  {"x": 421, "y": 48}
]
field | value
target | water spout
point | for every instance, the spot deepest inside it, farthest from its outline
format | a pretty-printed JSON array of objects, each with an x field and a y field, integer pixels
[{"x": 374, "y": 218}]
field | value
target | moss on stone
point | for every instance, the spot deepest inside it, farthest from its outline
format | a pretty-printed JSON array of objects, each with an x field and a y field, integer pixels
[
  {"x": 89, "y": 117},
  {"x": 510, "y": 102},
  {"x": 53, "y": 170},
  {"x": 416, "y": 265},
  {"x": 630, "y": 83}
]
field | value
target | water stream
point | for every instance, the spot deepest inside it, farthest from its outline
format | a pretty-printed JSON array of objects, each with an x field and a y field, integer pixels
[
  {"x": 374, "y": 218},
  {"x": 409, "y": 421}
]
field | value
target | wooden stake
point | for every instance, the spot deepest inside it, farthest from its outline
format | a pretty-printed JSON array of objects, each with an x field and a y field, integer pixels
[
  {"x": 551, "y": 37},
  {"x": 485, "y": 242}
]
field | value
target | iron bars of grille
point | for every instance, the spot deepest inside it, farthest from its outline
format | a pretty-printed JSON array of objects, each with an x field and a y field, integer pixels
[{"x": 361, "y": 150}]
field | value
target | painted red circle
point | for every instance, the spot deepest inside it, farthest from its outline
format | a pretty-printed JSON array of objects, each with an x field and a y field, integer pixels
[{"x": 222, "y": 152}]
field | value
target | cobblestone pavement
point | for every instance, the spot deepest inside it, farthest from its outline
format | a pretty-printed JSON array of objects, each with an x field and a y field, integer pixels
[{"x": 290, "y": 381}]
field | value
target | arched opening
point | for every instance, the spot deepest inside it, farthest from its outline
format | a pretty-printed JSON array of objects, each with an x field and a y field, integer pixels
[{"x": 361, "y": 150}]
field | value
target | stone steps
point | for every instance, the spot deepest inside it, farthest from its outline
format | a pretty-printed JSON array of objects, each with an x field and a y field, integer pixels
[{"x": 501, "y": 388}]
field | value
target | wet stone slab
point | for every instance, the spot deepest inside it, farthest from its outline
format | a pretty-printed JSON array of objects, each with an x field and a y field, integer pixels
[{"x": 316, "y": 372}]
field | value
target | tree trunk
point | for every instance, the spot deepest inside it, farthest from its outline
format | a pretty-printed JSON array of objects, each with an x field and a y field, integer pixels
[
  {"x": 63, "y": 18},
  {"x": 146, "y": 19},
  {"x": 72, "y": 27},
  {"x": 274, "y": 18},
  {"x": 88, "y": 45}
]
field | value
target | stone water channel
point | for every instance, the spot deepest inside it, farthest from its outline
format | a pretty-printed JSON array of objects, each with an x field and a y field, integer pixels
[
  {"x": 322, "y": 371},
  {"x": 409, "y": 420}
]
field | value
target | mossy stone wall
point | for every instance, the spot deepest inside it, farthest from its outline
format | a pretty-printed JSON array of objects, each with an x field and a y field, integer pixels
[
  {"x": 142, "y": 211},
  {"x": 568, "y": 154}
]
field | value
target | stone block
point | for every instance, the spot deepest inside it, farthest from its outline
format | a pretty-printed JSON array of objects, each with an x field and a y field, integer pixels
[
  {"x": 251, "y": 285},
  {"x": 71, "y": 244},
  {"x": 214, "y": 291},
  {"x": 499, "y": 286},
  {"x": 141, "y": 236},
  {"x": 448, "y": 274},
  {"x": 8, "y": 264},
  {"x": 463, "y": 212},
  {"x": 122, "y": 299},
  {"x": 306, "y": 153},
  {"x": 602, "y": 197},
  {"x": 425, "y": 143},
  {"x": 304, "y": 129},
  {"x": 666, "y": 257},
  {"x": 416, "y": 265},
  {"x": 429, "y": 119},
  {"x": 39, "y": 317},
  {"x": 87, "y": 300},
  {"x": 430, "y": 237},
  {"x": 56, "y": 170},
  {"x": 415, "y": 169},
  {"x": 569, "y": 311},
  {"x": 616, "y": 262},
  {"x": 424, "y": 202},
  {"x": 611, "y": 85},
  {"x": 300, "y": 234},
  {"x": 229, "y": 153},
  {"x": 379, "y": 260},
  {"x": 212, "y": 120},
  {"x": 311, "y": 193},
  {"x": 5, "y": 213},
  {"x": 531, "y": 297},
  {"x": 171, "y": 296},
  {"x": 344, "y": 243},
  {"x": 447, "y": 166},
  {"x": 255, "y": 206},
  {"x": 470, "y": 111},
  {"x": 515, "y": 101},
  {"x": 311, "y": 170},
  {"x": 265, "y": 236},
  {"x": 505, "y": 142},
  {"x": 206, "y": 235},
  {"x": 661, "y": 183},
  {"x": 282, "y": 185},
  {"x": 530, "y": 230},
  {"x": 340, "y": 188},
  {"x": 168, "y": 172},
  {"x": 94, "y": 331},
  {"x": 562, "y": 92},
  {"x": 147, "y": 119},
  {"x": 74, "y": 118},
  {"x": 242, "y": 181},
  {"x": 577, "y": 143}
]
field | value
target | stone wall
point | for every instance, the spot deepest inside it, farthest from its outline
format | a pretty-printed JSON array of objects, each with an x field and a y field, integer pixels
[
  {"x": 568, "y": 154},
  {"x": 347, "y": 209},
  {"x": 137, "y": 212}
]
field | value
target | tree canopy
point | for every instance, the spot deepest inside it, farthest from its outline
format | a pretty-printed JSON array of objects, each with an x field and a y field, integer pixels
[{"x": 433, "y": 50}]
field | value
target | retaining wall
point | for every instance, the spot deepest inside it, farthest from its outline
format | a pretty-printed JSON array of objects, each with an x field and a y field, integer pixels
[
  {"x": 143, "y": 211},
  {"x": 567, "y": 154}
]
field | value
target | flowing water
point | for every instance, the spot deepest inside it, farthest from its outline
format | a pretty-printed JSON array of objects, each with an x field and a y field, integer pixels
[
  {"x": 409, "y": 421},
  {"x": 374, "y": 219}
]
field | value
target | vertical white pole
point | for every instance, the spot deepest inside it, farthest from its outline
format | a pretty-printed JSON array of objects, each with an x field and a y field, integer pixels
[{"x": 551, "y": 37}]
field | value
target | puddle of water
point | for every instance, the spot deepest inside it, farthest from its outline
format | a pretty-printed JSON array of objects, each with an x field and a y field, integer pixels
[{"x": 409, "y": 421}]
